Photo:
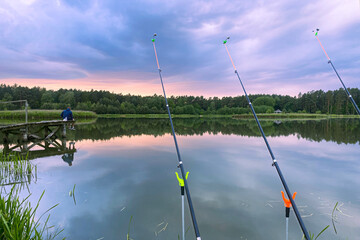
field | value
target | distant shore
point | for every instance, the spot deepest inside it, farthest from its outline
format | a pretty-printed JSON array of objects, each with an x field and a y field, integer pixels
[
  {"x": 55, "y": 114},
  {"x": 38, "y": 114},
  {"x": 240, "y": 116}
]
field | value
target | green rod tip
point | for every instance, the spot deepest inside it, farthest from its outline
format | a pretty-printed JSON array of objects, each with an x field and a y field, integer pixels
[
  {"x": 316, "y": 33},
  {"x": 225, "y": 42},
  {"x": 153, "y": 40}
]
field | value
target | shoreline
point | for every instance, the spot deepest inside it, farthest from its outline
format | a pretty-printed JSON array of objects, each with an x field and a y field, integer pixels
[
  {"x": 38, "y": 114},
  {"x": 270, "y": 116}
]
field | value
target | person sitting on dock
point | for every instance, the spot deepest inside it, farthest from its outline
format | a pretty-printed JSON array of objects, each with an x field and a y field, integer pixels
[{"x": 68, "y": 116}]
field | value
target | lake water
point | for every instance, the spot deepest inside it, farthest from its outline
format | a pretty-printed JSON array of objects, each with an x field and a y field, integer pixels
[{"x": 125, "y": 168}]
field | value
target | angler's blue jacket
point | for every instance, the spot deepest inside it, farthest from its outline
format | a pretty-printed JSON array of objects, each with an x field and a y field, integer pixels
[{"x": 67, "y": 114}]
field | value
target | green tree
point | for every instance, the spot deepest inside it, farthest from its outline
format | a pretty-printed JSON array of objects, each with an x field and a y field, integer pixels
[
  {"x": 68, "y": 98},
  {"x": 264, "y": 100},
  {"x": 7, "y": 97},
  {"x": 47, "y": 97}
]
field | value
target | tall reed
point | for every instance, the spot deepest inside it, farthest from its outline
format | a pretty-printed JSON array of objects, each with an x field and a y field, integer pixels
[
  {"x": 16, "y": 169},
  {"x": 17, "y": 219}
]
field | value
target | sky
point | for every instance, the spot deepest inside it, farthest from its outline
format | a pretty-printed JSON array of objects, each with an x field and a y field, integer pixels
[{"x": 106, "y": 45}]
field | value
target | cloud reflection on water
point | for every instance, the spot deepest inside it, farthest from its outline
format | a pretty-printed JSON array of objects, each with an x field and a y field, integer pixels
[{"x": 235, "y": 190}]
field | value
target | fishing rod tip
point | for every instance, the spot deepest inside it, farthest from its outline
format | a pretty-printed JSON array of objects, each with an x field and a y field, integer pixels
[
  {"x": 153, "y": 39},
  {"x": 316, "y": 31},
  {"x": 225, "y": 41}
]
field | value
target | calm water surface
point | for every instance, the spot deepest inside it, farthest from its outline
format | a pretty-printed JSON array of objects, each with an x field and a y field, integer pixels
[{"x": 126, "y": 167}]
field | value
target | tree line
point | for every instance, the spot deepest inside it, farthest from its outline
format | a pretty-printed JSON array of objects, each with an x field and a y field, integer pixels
[{"x": 105, "y": 102}]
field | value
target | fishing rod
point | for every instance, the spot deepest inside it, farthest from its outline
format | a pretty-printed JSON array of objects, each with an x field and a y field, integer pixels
[
  {"x": 287, "y": 190},
  {"x": 337, "y": 74},
  {"x": 192, "y": 212}
]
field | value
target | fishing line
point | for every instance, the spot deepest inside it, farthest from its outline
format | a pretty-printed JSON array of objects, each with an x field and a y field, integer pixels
[
  {"x": 337, "y": 74},
  {"x": 192, "y": 212},
  {"x": 275, "y": 164}
]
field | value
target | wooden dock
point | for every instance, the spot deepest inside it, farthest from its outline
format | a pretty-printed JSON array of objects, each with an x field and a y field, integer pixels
[
  {"x": 38, "y": 139},
  {"x": 40, "y": 149},
  {"x": 35, "y": 130}
]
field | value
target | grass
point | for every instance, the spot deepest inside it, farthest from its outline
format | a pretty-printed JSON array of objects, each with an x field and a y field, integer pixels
[
  {"x": 17, "y": 219},
  {"x": 333, "y": 217},
  {"x": 240, "y": 116},
  {"x": 44, "y": 114},
  {"x": 294, "y": 116},
  {"x": 312, "y": 235},
  {"x": 19, "y": 121},
  {"x": 19, "y": 115},
  {"x": 161, "y": 116},
  {"x": 128, "y": 234},
  {"x": 333, "y": 220},
  {"x": 72, "y": 194},
  {"x": 15, "y": 169}
]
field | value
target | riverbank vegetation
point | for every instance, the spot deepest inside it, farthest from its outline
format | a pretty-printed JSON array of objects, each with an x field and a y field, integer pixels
[
  {"x": 285, "y": 116},
  {"x": 18, "y": 116},
  {"x": 16, "y": 169},
  {"x": 104, "y": 102},
  {"x": 282, "y": 116},
  {"x": 334, "y": 130},
  {"x": 18, "y": 218},
  {"x": 44, "y": 114},
  {"x": 161, "y": 116},
  {"x": 19, "y": 221}
]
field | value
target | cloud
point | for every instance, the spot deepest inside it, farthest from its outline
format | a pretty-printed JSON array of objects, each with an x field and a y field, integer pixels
[{"x": 271, "y": 43}]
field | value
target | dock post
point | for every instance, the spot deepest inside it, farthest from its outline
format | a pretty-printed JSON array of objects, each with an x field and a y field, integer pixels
[
  {"x": 47, "y": 144},
  {"x": 6, "y": 146},
  {"x": 46, "y": 132},
  {"x": 64, "y": 131},
  {"x": 24, "y": 134},
  {"x": 24, "y": 147},
  {"x": 26, "y": 111},
  {"x": 63, "y": 144},
  {"x": 6, "y": 138}
]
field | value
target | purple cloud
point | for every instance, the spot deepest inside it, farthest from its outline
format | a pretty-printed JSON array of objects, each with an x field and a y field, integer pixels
[{"x": 271, "y": 43}]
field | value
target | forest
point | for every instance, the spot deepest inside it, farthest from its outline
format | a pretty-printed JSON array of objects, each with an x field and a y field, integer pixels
[{"x": 105, "y": 102}]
